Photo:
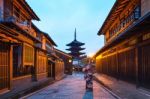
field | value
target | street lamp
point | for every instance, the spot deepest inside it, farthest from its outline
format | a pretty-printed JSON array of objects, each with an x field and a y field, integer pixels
[{"x": 70, "y": 60}]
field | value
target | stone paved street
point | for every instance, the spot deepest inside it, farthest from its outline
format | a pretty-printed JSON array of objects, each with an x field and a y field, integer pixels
[{"x": 72, "y": 87}]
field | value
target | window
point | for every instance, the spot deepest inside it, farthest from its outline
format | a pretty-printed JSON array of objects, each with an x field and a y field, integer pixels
[
  {"x": 125, "y": 21},
  {"x": 18, "y": 68},
  {"x": 137, "y": 12},
  {"x": 42, "y": 64},
  {"x": 28, "y": 55}
]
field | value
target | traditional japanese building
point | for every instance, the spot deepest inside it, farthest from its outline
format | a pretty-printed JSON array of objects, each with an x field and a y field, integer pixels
[
  {"x": 44, "y": 66},
  {"x": 67, "y": 59},
  {"x": 17, "y": 43},
  {"x": 75, "y": 48},
  {"x": 26, "y": 53},
  {"x": 126, "y": 54}
]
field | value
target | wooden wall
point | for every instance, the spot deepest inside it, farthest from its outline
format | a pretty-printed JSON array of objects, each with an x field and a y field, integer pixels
[
  {"x": 144, "y": 67},
  {"x": 129, "y": 63},
  {"x": 59, "y": 69},
  {"x": 4, "y": 66}
]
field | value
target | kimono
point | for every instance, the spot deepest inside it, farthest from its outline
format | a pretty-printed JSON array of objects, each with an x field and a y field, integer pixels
[{"x": 88, "y": 70}]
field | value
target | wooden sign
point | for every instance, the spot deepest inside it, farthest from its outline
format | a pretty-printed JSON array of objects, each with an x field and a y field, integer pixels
[{"x": 146, "y": 36}]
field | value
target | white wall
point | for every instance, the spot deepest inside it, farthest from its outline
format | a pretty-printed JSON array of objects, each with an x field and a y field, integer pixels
[
  {"x": 145, "y": 7},
  {"x": 1, "y": 9}
]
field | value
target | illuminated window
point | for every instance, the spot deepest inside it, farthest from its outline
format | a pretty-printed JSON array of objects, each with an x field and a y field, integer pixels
[
  {"x": 27, "y": 68},
  {"x": 28, "y": 55},
  {"x": 42, "y": 64}
]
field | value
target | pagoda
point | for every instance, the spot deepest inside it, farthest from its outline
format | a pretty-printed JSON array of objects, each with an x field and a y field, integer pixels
[{"x": 75, "y": 48}]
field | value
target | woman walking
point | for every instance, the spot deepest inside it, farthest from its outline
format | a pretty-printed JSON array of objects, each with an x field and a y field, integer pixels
[{"x": 88, "y": 70}]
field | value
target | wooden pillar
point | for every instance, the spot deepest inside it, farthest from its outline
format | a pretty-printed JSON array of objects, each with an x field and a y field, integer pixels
[
  {"x": 35, "y": 65},
  {"x": 137, "y": 61},
  {"x": 107, "y": 65},
  {"x": 11, "y": 66},
  {"x": 117, "y": 59}
]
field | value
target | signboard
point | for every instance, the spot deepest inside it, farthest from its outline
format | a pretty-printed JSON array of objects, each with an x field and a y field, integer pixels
[{"x": 146, "y": 36}]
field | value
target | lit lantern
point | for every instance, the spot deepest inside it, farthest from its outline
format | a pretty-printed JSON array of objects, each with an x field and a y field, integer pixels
[{"x": 70, "y": 60}]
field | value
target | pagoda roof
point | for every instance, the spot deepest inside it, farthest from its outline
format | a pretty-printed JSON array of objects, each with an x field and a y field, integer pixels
[
  {"x": 76, "y": 53},
  {"x": 75, "y": 42},
  {"x": 75, "y": 49}
]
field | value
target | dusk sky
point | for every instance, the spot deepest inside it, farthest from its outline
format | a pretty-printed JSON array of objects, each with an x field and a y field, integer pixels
[{"x": 59, "y": 18}]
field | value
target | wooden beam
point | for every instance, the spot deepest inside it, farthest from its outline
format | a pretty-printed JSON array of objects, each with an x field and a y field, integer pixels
[
  {"x": 7, "y": 38},
  {"x": 137, "y": 63},
  {"x": 124, "y": 1}
]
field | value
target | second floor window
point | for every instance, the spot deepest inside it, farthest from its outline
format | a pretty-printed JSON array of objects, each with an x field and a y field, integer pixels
[
  {"x": 137, "y": 13},
  {"x": 28, "y": 55}
]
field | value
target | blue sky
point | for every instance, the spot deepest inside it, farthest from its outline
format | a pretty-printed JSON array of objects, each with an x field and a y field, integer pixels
[{"x": 59, "y": 18}]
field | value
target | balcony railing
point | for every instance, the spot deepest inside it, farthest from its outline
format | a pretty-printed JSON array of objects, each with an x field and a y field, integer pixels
[
  {"x": 19, "y": 19},
  {"x": 49, "y": 48}
]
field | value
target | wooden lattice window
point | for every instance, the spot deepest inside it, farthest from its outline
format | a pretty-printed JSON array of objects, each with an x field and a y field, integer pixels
[
  {"x": 28, "y": 55},
  {"x": 42, "y": 64}
]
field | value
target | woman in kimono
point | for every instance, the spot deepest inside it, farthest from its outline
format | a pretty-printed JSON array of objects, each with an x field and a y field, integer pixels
[{"x": 88, "y": 70}]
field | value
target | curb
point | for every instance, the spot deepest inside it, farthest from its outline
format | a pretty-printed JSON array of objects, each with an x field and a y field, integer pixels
[
  {"x": 29, "y": 90},
  {"x": 107, "y": 88},
  {"x": 38, "y": 90}
]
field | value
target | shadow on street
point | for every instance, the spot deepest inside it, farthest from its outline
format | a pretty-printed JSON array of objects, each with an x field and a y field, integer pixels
[{"x": 88, "y": 95}]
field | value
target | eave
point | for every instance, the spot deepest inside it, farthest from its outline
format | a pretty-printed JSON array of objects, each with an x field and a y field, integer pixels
[
  {"x": 29, "y": 9},
  {"x": 117, "y": 8},
  {"x": 18, "y": 30},
  {"x": 7, "y": 35},
  {"x": 75, "y": 43},
  {"x": 74, "y": 49},
  {"x": 49, "y": 38},
  {"x": 62, "y": 52},
  {"x": 143, "y": 22}
]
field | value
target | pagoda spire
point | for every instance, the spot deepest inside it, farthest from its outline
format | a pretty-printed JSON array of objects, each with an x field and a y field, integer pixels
[
  {"x": 75, "y": 35},
  {"x": 75, "y": 47}
]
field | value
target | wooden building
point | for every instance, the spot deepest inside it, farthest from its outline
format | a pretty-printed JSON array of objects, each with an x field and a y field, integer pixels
[
  {"x": 67, "y": 59},
  {"x": 26, "y": 53},
  {"x": 17, "y": 43},
  {"x": 126, "y": 53},
  {"x": 55, "y": 65},
  {"x": 43, "y": 51}
]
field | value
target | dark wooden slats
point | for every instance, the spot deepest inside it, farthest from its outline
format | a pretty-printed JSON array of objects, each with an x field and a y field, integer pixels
[
  {"x": 120, "y": 65},
  {"x": 127, "y": 67},
  {"x": 4, "y": 66},
  {"x": 144, "y": 67}
]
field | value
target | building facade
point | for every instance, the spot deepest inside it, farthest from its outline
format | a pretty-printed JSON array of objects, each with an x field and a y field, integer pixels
[
  {"x": 67, "y": 59},
  {"x": 26, "y": 53},
  {"x": 125, "y": 54}
]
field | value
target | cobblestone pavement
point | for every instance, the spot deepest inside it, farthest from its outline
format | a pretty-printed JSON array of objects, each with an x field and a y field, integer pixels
[{"x": 72, "y": 87}]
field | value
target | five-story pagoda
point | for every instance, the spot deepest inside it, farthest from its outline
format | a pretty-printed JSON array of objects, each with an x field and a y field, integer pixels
[{"x": 75, "y": 48}]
